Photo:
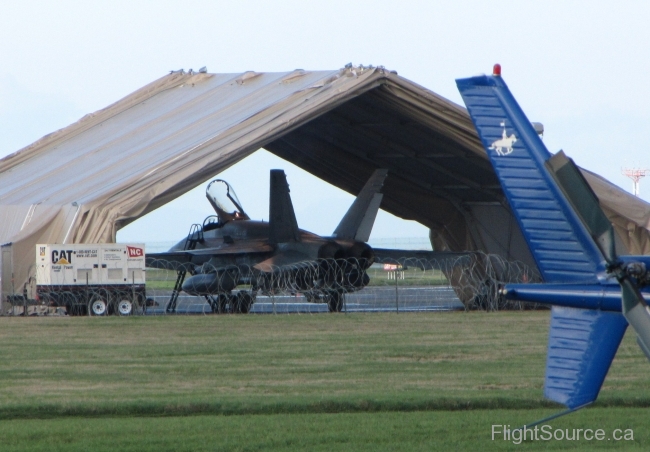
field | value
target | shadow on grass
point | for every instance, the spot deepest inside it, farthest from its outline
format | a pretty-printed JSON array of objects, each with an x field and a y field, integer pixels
[{"x": 48, "y": 411}]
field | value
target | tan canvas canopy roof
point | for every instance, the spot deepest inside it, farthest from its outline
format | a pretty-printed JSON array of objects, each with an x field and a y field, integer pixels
[{"x": 84, "y": 182}]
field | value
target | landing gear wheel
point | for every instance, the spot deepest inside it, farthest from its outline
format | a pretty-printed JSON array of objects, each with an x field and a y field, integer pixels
[
  {"x": 98, "y": 307},
  {"x": 124, "y": 307},
  {"x": 242, "y": 303},
  {"x": 219, "y": 303},
  {"x": 335, "y": 302}
]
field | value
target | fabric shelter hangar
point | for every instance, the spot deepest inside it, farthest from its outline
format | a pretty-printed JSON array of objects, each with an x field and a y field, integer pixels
[{"x": 173, "y": 134}]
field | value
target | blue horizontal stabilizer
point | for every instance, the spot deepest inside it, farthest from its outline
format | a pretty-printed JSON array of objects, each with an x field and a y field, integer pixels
[
  {"x": 562, "y": 247},
  {"x": 581, "y": 346}
]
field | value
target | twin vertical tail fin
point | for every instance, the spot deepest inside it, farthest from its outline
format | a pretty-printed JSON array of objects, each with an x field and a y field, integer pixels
[
  {"x": 283, "y": 226},
  {"x": 357, "y": 223}
]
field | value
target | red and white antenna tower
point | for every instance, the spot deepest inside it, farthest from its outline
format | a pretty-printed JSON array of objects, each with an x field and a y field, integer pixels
[{"x": 635, "y": 174}]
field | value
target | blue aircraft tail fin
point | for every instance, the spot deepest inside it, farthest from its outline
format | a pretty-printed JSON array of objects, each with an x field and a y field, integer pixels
[
  {"x": 566, "y": 231},
  {"x": 562, "y": 247},
  {"x": 581, "y": 346}
]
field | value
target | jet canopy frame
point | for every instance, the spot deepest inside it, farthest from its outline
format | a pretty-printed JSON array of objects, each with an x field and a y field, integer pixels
[{"x": 225, "y": 202}]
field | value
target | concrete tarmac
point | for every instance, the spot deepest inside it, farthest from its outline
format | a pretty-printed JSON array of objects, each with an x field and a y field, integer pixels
[{"x": 370, "y": 299}]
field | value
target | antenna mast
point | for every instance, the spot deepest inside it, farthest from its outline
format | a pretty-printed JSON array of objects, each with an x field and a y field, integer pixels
[{"x": 635, "y": 174}]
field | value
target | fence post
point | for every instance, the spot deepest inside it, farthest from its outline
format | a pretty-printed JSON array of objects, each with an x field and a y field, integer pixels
[
  {"x": 396, "y": 293},
  {"x": 87, "y": 301}
]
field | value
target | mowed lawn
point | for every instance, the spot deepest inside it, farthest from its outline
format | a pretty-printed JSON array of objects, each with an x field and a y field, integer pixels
[
  {"x": 309, "y": 378},
  {"x": 372, "y": 432}
]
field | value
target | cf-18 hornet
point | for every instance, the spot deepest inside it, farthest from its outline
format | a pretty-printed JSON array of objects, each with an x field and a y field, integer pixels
[{"x": 230, "y": 250}]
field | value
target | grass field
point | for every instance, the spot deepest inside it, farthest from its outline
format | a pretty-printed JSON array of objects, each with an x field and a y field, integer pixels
[
  {"x": 317, "y": 382},
  {"x": 384, "y": 431}
]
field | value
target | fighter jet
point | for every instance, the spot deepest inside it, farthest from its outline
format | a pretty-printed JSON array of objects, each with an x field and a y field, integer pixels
[{"x": 229, "y": 249}]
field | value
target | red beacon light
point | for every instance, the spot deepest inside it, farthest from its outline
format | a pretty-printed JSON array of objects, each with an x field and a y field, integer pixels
[{"x": 496, "y": 70}]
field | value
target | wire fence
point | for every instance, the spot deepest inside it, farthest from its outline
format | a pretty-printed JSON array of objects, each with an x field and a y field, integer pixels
[{"x": 469, "y": 281}]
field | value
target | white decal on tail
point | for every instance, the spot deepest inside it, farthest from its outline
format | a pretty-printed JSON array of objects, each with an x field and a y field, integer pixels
[{"x": 504, "y": 145}]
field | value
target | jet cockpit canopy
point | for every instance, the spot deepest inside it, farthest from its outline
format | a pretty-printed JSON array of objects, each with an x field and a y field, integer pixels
[{"x": 224, "y": 201}]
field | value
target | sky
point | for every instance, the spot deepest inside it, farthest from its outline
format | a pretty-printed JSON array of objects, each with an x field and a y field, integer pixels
[{"x": 579, "y": 67}]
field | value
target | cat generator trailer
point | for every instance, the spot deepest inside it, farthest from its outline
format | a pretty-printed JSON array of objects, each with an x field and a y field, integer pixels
[{"x": 95, "y": 279}]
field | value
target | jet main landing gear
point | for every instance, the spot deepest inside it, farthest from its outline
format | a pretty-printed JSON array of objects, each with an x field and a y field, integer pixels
[
  {"x": 239, "y": 303},
  {"x": 335, "y": 301}
]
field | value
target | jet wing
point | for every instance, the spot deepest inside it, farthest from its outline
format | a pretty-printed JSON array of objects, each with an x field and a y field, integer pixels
[
  {"x": 424, "y": 260},
  {"x": 581, "y": 346},
  {"x": 171, "y": 258},
  {"x": 562, "y": 247},
  {"x": 243, "y": 247}
]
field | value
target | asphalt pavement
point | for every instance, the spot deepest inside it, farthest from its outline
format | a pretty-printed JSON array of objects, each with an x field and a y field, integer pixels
[{"x": 370, "y": 299}]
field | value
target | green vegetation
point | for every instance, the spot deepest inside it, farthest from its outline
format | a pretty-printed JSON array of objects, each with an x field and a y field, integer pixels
[
  {"x": 376, "y": 432},
  {"x": 295, "y": 381},
  {"x": 158, "y": 279}
]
